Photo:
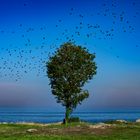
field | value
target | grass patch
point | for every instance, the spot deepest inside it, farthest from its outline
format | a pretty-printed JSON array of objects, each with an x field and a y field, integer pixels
[{"x": 72, "y": 131}]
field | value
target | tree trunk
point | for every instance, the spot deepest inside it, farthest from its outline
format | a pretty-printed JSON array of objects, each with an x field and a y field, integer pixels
[{"x": 67, "y": 114}]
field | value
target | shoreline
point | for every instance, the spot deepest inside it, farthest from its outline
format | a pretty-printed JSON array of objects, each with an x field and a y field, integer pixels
[
  {"x": 81, "y": 122},
  {"x": 33, "y": 123}
]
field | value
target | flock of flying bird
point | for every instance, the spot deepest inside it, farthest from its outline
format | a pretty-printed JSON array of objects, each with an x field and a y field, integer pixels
[{"x": 15, "y": 63}]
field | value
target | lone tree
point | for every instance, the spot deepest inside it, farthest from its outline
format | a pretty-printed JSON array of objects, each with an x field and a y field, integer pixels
[{"x": 68, "y": 70}]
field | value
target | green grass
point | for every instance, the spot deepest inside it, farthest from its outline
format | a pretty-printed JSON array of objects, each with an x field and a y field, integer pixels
[{"x": 73, "y": 131}]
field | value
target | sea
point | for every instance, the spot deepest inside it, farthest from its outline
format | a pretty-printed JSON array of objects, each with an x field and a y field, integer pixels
[{"x": 16, "y": 115}]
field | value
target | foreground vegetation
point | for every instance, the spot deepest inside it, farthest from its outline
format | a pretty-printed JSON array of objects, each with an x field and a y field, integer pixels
[{"x": 73, "y": 131}]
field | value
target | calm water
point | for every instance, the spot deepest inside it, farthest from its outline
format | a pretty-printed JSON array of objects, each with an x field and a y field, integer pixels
[{"x": 42, "y": 116}]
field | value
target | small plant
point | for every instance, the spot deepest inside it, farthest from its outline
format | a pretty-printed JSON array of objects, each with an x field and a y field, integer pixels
[{"x": 74, "y": 119}]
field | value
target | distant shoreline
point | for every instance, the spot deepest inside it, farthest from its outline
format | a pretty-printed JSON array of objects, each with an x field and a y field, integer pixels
[
  {"x": 32, "y": 123},
  {"x": 60, "y": 122}
]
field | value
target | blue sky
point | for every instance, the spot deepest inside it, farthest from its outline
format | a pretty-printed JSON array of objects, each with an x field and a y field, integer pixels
[{"x": 30, "y": 30}]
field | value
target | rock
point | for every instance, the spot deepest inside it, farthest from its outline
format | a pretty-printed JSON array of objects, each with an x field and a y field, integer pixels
[
  {"x": 32, "y": 130},
  {"x": 138, "y": 120},
  {"x": 78, "y": 126},
  {"x": 121, "y": 121},
  {"x": 4, "y": 122},
  {"x": 100, "y": 126}
]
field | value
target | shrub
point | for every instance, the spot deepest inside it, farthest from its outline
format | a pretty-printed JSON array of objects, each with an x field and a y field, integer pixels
[{"x": 74, "y": 119}]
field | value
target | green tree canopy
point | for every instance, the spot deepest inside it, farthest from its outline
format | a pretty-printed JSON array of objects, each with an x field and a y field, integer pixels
[{"x": 68, "y": 70}]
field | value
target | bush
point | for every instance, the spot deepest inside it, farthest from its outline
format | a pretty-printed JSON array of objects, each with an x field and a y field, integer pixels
[{"x": 74, "y": 119}]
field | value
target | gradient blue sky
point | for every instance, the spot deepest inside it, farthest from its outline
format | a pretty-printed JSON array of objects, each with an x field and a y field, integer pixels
[{"x": 30, "y": 30}]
